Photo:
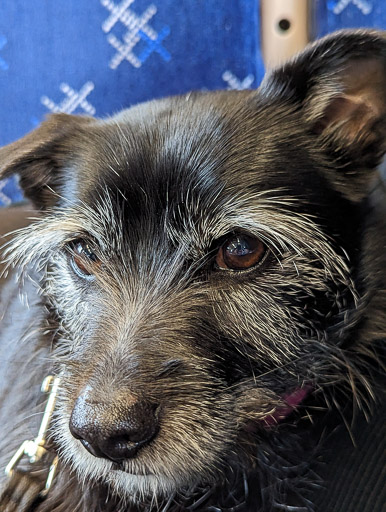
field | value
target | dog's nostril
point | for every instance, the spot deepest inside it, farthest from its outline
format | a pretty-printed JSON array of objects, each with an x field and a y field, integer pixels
[
  {"x": 114, "y": 432},
  {"x": 91, "y": 449},
  {"x": 120, "y": 447}
]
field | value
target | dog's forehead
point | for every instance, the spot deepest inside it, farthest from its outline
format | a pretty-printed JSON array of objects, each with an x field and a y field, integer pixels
[
  {"x": 170, "y": 139},
  {"x": 155, "y": 153},
  {"x": 200, "y": 142},
  {"x": 196, "y": 155}
]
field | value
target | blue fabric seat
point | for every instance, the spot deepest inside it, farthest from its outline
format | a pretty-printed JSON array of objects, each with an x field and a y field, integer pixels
[{"x": 98, "y": 57}]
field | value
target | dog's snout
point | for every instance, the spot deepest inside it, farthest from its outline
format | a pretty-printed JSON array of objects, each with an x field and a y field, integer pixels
[{"x": 115, "y": 431}]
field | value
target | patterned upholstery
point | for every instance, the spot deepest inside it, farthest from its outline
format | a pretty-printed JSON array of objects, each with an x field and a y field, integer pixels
[{"x": 99, "y": 56}]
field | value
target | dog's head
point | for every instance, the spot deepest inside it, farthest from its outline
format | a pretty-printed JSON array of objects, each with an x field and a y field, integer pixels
[{"x": 201, "y": 258}]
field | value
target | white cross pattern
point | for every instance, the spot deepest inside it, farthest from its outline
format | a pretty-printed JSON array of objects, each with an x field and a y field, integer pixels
[
  {"x": 236, "y": 84},
  {"x": 72, "y": 101},
  {"x": 363, "y": 5},
  {"x": 137, "y": 30}
]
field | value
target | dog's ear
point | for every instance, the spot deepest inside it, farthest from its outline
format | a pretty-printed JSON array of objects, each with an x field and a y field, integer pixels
[
  {"x": 339, "y": 84},
  {"x": 40, "y": 158}
]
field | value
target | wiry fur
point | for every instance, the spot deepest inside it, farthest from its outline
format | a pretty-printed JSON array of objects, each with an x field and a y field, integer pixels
[{"x": 157, "y": 189}]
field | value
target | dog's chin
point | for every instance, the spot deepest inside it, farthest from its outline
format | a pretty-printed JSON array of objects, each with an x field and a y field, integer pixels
[
  {"x": 139, "y": 488},
  {"x": 132, "y": 480}
]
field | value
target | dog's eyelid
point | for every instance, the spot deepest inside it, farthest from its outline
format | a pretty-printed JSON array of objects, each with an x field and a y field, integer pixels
[
  {"x": 79, "y": 272},
  {"x": 84, "y": 238}
]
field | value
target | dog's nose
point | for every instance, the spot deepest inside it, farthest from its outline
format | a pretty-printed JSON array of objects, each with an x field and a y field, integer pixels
[{"x": 114, "y": 431}]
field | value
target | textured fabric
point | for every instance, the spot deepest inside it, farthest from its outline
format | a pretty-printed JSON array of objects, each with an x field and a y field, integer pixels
[
  {"x": 99, "y": 56},
  {"x": 354, "y": 479}
]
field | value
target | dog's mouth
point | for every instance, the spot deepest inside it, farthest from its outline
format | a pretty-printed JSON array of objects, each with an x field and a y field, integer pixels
[
  {"x": 291, "y": 401},
  {"x": 123, "y": 467}
]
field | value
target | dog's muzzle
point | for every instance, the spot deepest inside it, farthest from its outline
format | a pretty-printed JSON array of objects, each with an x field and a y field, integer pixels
[{"x": 114, "y": 430}]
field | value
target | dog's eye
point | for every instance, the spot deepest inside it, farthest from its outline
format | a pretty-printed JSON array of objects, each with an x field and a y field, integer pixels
[
  {"x": 83, "y": 260},
  {"x": 240, "y": 252}
]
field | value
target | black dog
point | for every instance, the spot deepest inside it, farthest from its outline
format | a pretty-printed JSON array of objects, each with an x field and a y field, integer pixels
[{"x": 206, "y": 274}]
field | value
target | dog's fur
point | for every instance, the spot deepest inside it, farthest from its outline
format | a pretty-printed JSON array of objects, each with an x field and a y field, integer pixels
[{"x": 157, "y": 189}]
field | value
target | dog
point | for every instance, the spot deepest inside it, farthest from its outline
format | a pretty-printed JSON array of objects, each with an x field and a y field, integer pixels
[{"x": 205, "y": 274}]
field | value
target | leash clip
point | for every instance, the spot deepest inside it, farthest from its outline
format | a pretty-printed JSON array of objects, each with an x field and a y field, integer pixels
[{"x": 35, "y": 450}]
